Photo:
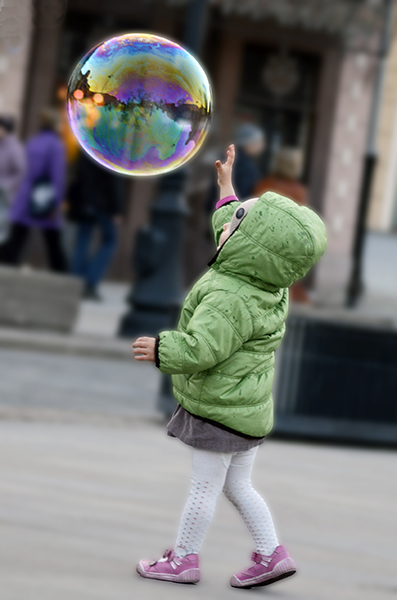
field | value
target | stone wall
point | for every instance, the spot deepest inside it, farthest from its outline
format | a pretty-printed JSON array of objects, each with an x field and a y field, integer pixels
[
  {"x": 344, "y": 173},
  {"x": 15, "y": 40},
  {"x": 384, "y": 191}
]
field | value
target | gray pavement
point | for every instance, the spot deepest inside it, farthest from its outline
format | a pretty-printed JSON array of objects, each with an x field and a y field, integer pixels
[
  {"x": 82, "y": 503},
  {"x": 90, "y": 483},
  {"x": 379, "y": 264},
  {"x": 73, "y": 387},
  {"x": 102, "y": 318},
  {"x": 380, "y": 273}
]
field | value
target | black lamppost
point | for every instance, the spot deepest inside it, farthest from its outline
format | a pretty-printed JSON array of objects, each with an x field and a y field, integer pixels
[
  {"x": 157, "y": 295},
  {"x": 158, "y": 292},
  {"x": 355, "y": 286}
]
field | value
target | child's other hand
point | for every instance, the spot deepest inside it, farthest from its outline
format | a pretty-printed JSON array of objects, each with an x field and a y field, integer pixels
[
  {"x": 144, "y": 349},
  {"x": 225, "y": 169}
]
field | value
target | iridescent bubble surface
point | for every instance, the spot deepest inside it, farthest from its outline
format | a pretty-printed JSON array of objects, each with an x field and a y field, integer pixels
[{"x": 140, "y": 104}]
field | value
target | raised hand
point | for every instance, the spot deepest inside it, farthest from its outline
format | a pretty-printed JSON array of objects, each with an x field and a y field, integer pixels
[{"x": 225, "y": 169}]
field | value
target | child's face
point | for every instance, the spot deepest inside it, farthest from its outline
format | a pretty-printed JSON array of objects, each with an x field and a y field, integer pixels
[{"x": 224, "y": 235}]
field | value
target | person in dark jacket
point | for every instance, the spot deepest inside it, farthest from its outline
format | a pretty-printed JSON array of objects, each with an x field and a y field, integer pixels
[
  {"x": 95, "y": 203},
  {"x": 250, "y": 142},
  {"x": 46, "y": 167}
]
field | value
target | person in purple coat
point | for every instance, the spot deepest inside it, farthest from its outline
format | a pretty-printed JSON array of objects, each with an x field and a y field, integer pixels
[{"x": 46, "y": 162}]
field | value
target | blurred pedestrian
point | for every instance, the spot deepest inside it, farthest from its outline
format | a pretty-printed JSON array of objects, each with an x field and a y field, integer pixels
[
  {"x": 250, "y": 144},
  {"x": 221, "y": 357},
  {"x": 38, "y": 203},
  {"x": 12, "y": 169},
  {"x": 95, "y": 204},
  {"x": 71, "y": 145},
  {"x": 284, "y": 179}
]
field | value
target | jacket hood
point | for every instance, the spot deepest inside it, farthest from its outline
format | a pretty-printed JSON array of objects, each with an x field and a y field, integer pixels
[{"x": 275, "y": 244}]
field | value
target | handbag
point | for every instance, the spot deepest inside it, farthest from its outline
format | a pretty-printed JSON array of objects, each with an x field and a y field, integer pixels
[{"x": 43, "y": 198}]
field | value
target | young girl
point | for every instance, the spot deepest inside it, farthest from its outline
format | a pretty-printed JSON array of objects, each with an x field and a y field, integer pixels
[{"x": 221, "y": 358}]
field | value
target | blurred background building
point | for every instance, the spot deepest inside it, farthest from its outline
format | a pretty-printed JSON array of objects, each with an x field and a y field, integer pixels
[
  {"x": 76, "y": 410},
  {"x": 383, "y": 208},
  {"x": 304, "y": 72}
]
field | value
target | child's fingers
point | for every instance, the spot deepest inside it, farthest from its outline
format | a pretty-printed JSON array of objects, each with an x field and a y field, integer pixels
[
  {"x": 140, "y": 350},
  {"x": 142, "y": 341},
  {"x": 137, "y": 346},
  {"x": 144, "y": 356},
  {"x": 218, "y": 164},
  {"x": 230, "y": 155}
]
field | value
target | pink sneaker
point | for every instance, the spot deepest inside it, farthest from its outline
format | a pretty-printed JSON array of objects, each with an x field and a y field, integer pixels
[
  {"x": 171, "y": 568},
  {"x": 266, "y": 570}
]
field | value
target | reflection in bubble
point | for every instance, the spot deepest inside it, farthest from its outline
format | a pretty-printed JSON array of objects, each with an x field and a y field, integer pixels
[{"x": 140, "y": 104}]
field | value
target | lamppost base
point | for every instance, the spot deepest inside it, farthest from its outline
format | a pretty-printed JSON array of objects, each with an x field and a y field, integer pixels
[
  {"x": 144, "y": 320},
  {"x": 166, "y": 402},
  {"x": 354, "y": 293}
]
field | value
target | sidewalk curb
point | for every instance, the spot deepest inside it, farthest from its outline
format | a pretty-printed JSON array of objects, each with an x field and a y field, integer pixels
[
  {"x": 46, "y": 415},
  {"x": 78, "y": 345}
]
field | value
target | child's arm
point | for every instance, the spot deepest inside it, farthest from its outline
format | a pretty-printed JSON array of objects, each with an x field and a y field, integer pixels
[
  {"x": 225, "y": 206},
  {"x": 212, "y": 335},
  {"x": 225, "y": 174}
]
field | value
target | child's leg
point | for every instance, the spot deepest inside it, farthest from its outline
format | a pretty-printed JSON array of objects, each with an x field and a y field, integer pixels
[
  {"x": 251, "y": 506},
  {"x": 208, "y": 478}
]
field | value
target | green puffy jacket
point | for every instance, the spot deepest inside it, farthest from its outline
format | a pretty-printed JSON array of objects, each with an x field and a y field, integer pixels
[{"x": 232, "y": 320}]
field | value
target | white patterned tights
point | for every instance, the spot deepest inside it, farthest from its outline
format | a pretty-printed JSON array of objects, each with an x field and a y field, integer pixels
[{"x": 214, "y": 472}]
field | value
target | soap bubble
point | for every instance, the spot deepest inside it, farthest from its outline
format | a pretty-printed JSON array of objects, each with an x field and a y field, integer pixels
[{"x": 140, "y": 104}]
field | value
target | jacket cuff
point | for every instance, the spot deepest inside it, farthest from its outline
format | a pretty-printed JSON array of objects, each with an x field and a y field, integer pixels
[
  {"x": 226, "y": 200},
  {"x": 156, "y": 352}
]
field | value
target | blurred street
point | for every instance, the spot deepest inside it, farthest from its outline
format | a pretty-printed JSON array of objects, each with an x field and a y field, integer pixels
[
  {"x": 379, "y": 298},
  {"x": 90, "y": 483},
  {"x": 82, "y": 502},
  {"x": 380, "y": 273},
  {"x": 59, "y": 386}
]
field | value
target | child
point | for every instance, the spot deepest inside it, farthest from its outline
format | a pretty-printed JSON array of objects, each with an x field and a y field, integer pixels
[{"x": 221, "y": 358}]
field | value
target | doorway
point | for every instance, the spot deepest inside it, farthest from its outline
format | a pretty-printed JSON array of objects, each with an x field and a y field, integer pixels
[{"x": 278, "y": 92}]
